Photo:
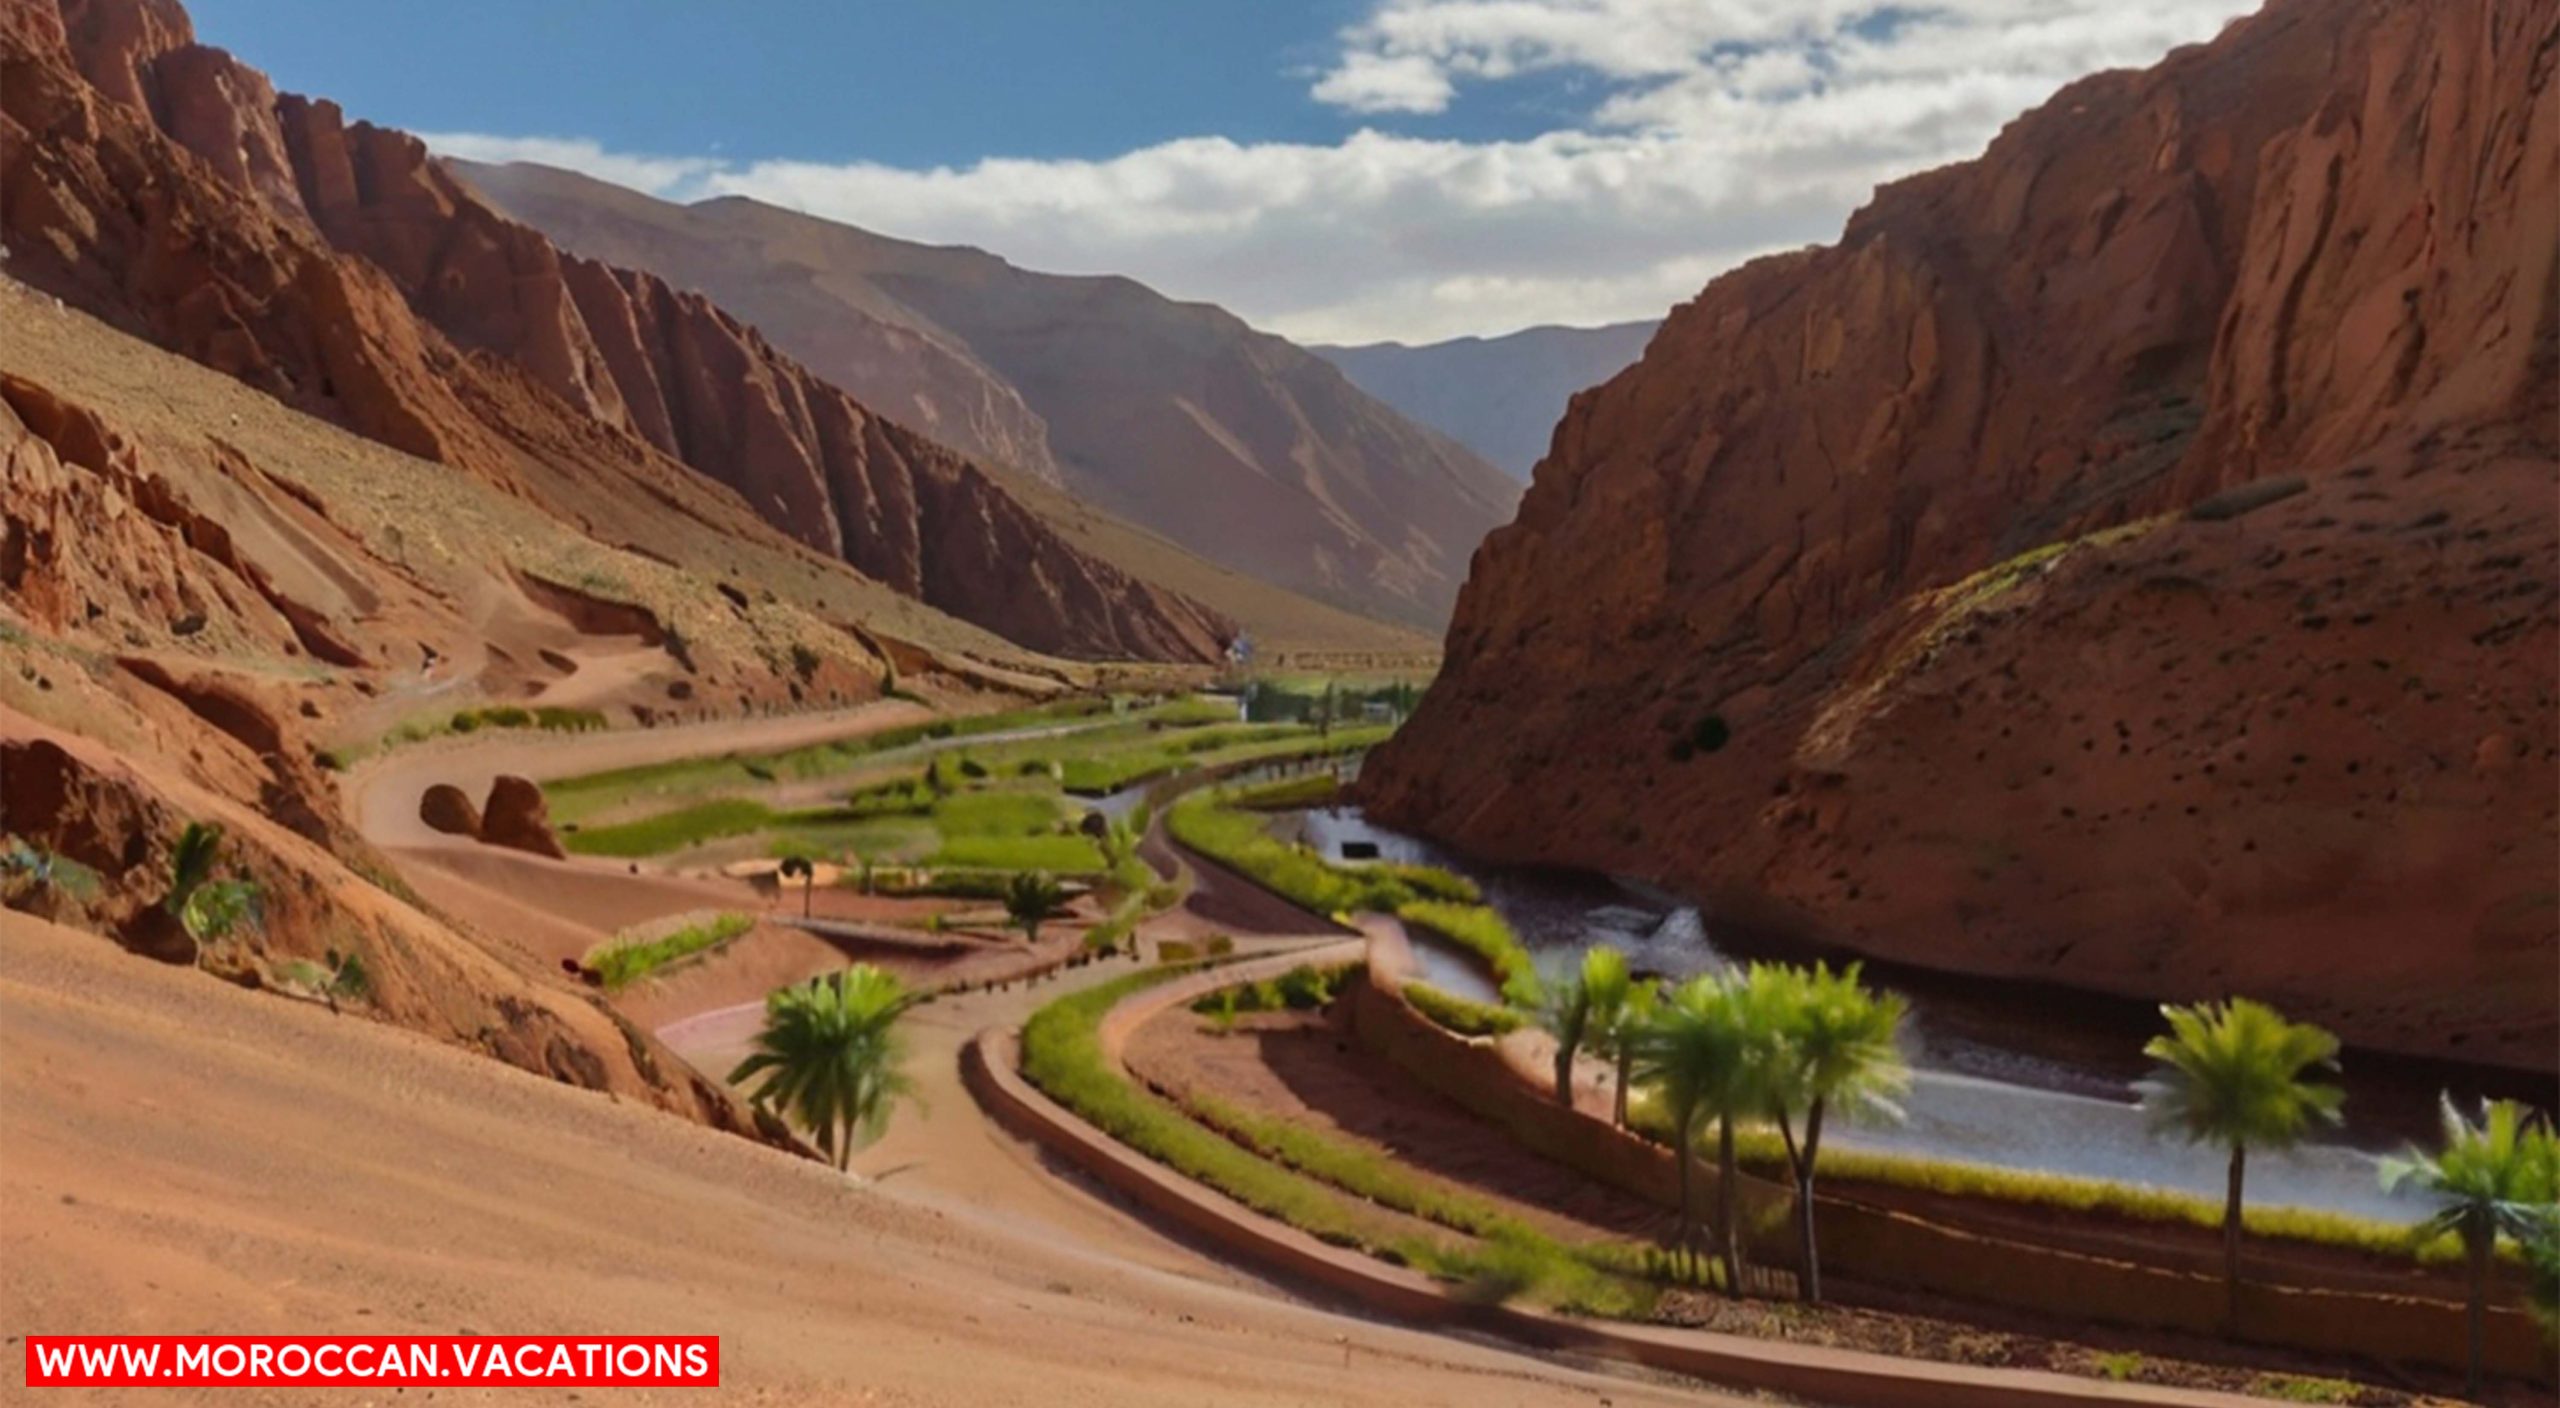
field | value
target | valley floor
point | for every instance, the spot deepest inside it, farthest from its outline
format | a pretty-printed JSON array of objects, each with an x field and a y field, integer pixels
[{"x": 184, "y": 1156}]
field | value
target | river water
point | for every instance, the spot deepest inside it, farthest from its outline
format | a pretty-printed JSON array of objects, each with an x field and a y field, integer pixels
[{"x": 2011, "y": 1074}]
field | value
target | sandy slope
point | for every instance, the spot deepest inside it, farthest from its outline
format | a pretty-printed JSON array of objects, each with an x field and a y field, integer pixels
[{"x": 182, "y": 1156}]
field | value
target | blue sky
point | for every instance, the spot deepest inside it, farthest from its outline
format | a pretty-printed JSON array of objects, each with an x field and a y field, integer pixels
[{"x": 1333, "y": 169}]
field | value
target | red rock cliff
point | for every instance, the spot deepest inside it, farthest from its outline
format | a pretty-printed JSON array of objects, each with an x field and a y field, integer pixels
[
  {"x": 2125, "y": 559},
  {"x": 165, "y": 186}
]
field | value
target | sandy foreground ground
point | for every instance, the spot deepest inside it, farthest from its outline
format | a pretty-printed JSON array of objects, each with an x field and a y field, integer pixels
[{"x": 179, "y": 1156}]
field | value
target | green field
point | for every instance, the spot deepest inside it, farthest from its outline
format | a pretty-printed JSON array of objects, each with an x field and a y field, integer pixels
[
  {"x": 577, "y": 799},
  {"x": 1002, "y": 805}
]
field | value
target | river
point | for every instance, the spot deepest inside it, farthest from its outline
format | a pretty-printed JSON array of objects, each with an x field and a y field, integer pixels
[{"x": 2017, "y": 1075}]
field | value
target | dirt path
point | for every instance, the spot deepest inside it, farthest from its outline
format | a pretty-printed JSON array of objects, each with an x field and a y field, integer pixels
[{"x": 185, "y": 1155}]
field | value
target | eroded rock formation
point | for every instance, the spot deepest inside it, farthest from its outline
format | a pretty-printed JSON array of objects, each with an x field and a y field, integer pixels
[
  {"x": 517, "y": 817},
  {"x": 2125, "y": 559}
]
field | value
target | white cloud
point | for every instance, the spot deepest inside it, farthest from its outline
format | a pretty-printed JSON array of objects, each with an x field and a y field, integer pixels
[
  {"x": 657, "y": 175},
  {"x": 1384, "y": 83},
  {"x": 1716, "y": 130}
]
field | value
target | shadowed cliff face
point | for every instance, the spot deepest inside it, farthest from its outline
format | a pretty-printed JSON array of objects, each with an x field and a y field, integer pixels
[
  {"x": 165, "y": 186},
  {"x": 2125, "y": 559}
]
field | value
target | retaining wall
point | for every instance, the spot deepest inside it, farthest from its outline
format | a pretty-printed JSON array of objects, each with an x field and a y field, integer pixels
[{"x": 1851, "y": 1379}]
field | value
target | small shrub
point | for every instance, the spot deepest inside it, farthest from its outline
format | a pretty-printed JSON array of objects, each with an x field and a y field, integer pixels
[
  {"x": 622, "y": 962},
  {"x": 1303, "y": 988}
]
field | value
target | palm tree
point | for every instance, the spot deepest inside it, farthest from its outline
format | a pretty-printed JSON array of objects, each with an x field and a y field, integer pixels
[
  {"x": 1834, "y": 1046},
  {"x": 1702, "y": 1054},
  {"x": 191, "y": 863},
  {"x": 2236, "y": 1074},
  {"x": 1568, "y": 1001},
  {"x": 831, "y": 1057},
  {"x": 808, "y": 873},
  {"x": 1614, "y": 997},
  {"x": 1028, "y": 899},
  {"x": 2497, "y": 1178}
]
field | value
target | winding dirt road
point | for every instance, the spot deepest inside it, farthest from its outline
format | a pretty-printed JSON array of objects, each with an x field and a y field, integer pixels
[{"x": 959, "y": 1267}]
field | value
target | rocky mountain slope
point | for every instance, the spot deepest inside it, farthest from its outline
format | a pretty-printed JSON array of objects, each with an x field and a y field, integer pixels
[
  {"x": 1235, "y": 444},
  {"x": 1498, "y": 396},
  {"x": 2125, "y": 559},
  {"x": 167, "y": 187},
  {"x": 206, "y": 598}
]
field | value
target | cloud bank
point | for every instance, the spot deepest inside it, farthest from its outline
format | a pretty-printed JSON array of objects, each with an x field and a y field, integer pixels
[{"x": 1714, "y": 130}]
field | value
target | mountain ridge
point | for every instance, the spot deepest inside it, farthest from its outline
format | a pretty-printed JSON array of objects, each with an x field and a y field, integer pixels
[
  {"x": 1178, "y": 416},
  {"x": 1500, "y": 396},
  {"x": 161, "y": 183}
]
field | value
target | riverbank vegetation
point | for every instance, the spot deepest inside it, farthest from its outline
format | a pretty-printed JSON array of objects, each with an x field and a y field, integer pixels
[{"x": 1227, "y": 825}]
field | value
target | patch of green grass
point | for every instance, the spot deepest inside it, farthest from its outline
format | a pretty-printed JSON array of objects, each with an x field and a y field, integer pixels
[
  {"x": 589, "y": 793},
  {"x": 882, "y": 840},
  {"x": 1109, "y": 772},
  {"x": 1481, "y": 931},
  {"x": 672, "y": 831},
  {"x": 1062, "y": 1055},
  {"x": 1604, "y": 1278},
  {"x": 548, "y": 718},
  {"x": 1062, "y": 855},
  {"x": 1459, "y": 1015},
  {"x": 622, "y": 962},
  {"x": 2120, "y": 1367},
  {"x": 996, "y": 813}
]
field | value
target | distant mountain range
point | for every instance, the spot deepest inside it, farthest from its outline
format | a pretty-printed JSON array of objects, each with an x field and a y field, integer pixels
[
  {"x": 1498, "y": 396},
  {"x": 1234, "y": 444}
]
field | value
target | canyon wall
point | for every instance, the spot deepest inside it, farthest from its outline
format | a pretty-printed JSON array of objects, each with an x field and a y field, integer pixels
[
  {"x": 166, "y": 187},
  {"x": 2125, "y": 559}
]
